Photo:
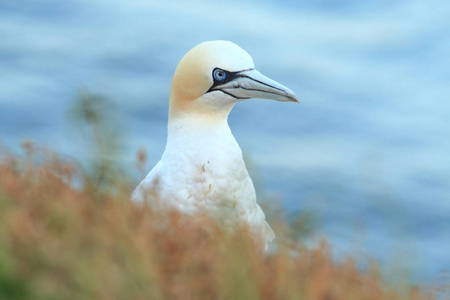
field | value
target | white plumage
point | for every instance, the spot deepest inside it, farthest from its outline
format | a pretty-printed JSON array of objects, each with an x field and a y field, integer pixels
[{"x": 202, "y": 168}]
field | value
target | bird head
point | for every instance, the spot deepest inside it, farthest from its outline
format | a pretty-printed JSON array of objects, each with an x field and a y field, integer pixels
[{"x": 214, "y": 75}]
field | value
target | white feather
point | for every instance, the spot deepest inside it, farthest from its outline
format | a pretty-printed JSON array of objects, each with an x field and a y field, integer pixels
[{"x": 202, "y": 169}]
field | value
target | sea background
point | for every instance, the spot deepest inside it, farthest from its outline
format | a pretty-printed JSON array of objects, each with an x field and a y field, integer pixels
[{"x": 367, "y": 152}]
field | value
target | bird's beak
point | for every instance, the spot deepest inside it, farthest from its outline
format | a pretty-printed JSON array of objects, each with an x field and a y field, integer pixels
[{"x": 252, "y": 84}]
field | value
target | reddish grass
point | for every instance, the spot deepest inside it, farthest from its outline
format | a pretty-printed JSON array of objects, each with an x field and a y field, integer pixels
[{"x": 58, "y": 242}]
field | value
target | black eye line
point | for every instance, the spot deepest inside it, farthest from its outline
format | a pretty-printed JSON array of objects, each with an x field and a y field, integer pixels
[{"x": 230, "y": 76}]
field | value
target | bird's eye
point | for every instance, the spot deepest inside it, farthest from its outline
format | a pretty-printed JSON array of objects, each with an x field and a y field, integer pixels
[{"x": 219, "y": 74}]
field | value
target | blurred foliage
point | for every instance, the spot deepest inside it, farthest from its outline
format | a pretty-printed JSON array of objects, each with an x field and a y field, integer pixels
[
  {"x": 57, "y": 242},
  {"x": 96, "y": 118}
]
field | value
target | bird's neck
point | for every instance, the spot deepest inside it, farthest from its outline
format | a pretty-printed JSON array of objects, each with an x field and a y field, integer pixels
[
  {"x": 203, "y": 110},
  {"x": 200, "y": 129},
  {"x": 198, "y": 126}
]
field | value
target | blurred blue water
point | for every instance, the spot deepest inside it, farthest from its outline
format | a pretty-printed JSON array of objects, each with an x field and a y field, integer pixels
[{"x": 368, "y": 148}]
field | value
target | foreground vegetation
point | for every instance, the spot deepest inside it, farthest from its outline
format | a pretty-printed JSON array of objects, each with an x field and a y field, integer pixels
[{"x": 91, "y": 242}]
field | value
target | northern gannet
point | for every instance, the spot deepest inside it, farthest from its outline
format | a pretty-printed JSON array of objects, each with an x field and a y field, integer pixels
[{"x": 202, "y": 168}]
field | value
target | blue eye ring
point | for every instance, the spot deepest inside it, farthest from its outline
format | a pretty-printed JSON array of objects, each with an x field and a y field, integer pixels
[{"x": 219, "y": 74}]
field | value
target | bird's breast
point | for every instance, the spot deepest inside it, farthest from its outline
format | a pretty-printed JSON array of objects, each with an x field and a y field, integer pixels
[
  {"x": 205, "y": 170},
  {"x": 202, "y": 169}
]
